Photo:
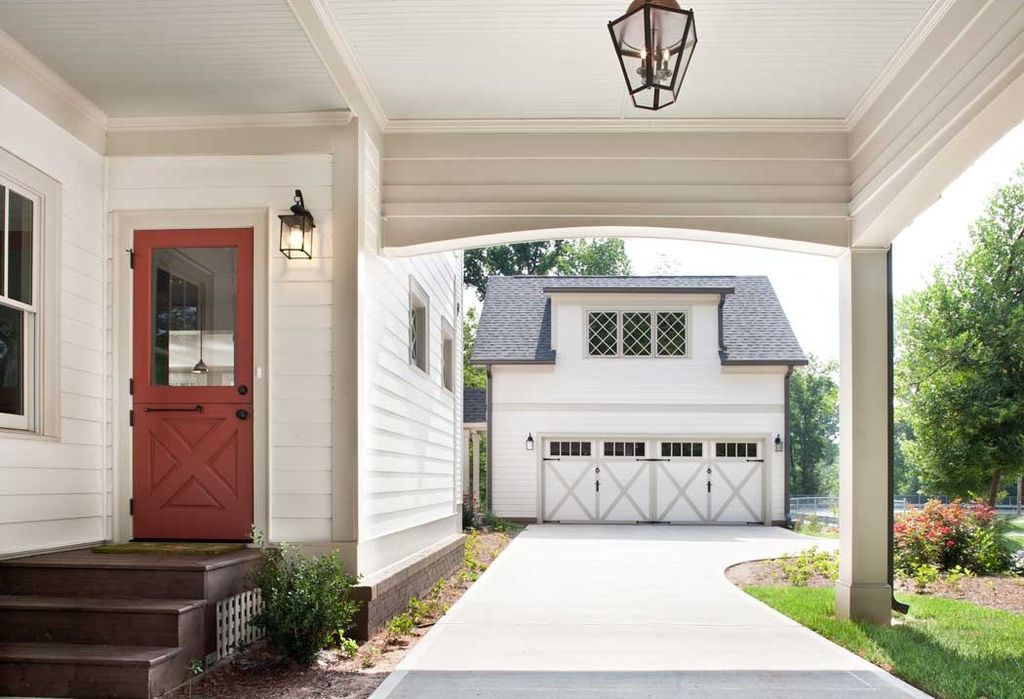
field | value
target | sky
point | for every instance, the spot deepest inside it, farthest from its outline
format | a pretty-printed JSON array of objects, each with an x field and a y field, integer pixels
[{"x": 808, "y": 285}]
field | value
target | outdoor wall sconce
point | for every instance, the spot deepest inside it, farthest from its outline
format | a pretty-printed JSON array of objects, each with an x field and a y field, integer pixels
[
  {"x": 654, "y": 42},
  {"x": 297, "y": 231},
  {"x": 529, "y": 442},
  {"x": 778, "y": 442}
]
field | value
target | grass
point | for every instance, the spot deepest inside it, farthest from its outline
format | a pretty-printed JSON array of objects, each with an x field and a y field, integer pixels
[
  {"x": 812, "y": 526},
  {"x": 948, "y": 648},
  {"x": 1015, "y": 533}
]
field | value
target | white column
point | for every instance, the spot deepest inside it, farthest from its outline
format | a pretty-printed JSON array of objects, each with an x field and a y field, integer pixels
[
  {"x": 464, "y": 476},
  {"x": 476, "y": 470},
  {"x": 863, "y": 592}
]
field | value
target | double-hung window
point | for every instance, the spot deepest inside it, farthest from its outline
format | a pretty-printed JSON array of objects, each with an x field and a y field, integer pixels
[{"x": 19, "y": 305}]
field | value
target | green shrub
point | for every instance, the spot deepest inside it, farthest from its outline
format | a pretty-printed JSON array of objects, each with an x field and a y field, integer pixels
[
  {"x": 348, "y": 646},
  {"x": 923, "y": 575},
  {"x": 400, "y": 626},
  {"x": 305, "y": 600},
  {"x": 809, "y": 563}
]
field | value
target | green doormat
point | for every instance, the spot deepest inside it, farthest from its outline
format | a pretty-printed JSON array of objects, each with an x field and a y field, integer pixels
[{"x": 170, "y": 548}]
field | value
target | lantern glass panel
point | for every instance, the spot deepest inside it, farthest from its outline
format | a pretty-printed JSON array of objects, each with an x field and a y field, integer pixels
[
  {"x": 631, "y": 45},
  {"x": 297, "y": 236}
]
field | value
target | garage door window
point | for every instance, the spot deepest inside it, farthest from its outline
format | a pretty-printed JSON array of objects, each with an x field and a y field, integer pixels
[
  {"x": 736, "y": 450},
  {"x": 569, "y": 448},
  {"x": 682, "y": 449},
  {"x": 625, "y": 449}
]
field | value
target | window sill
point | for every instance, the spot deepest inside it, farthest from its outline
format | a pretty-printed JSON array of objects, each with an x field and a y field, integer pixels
[{"x": 12, "y": 433}]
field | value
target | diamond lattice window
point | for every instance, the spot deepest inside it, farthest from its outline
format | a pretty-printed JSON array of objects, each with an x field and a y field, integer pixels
[
  {"x": 636, "y": 334},
  {"x": 672, "y": 334},
  {"x": 603, "y": 334}
]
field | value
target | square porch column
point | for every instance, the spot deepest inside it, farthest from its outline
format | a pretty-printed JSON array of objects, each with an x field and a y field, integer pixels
[{"x": 863, "y": 592}]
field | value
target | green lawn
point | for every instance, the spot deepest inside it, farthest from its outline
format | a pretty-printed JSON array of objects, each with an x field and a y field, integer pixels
[
  {"x": 1015, "y": 532},
  {"x": 948, "y": 648}
]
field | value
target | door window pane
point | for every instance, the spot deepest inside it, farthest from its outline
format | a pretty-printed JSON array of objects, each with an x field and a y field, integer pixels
[
  {"x": 19, "y": 248},
  {"x": 12, "y": 361},
  {"x": 195, "y": 294}
]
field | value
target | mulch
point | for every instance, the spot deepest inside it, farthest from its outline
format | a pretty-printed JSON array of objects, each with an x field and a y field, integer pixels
[
  {"x": 994, "y": 592},
  {"x": 260, "y": 673}
]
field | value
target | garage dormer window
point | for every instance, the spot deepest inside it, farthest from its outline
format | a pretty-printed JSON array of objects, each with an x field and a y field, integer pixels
[{"x": 636, "y": 333}]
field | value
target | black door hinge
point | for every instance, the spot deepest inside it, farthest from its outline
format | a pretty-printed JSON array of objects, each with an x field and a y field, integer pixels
[
  {"x": 131, "y": 387},
  {"x": 131, "y": 257},
  {"x": 131, "y": 506},
  {"x": 131, "y": 418}
]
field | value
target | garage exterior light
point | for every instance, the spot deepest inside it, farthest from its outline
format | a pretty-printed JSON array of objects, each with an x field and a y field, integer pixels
[
  {"x": 529, "y": 442},
  {"x": 654, "y": 42},
  {"x": 778, "y": 442},
  {"x": 297, "y": 231}
]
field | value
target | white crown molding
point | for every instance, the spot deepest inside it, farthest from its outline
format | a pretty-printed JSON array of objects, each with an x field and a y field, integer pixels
[
  {"x": 229, "y": 121},
  {"x": 898, "y": 60},
  {"x": 41, "y": 87},
  {"x": 639, "y": 125},
  {"x": 321, "y": 27}
]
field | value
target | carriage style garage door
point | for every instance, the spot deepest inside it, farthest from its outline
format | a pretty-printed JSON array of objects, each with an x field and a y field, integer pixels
[{"x": 681, "y": 480}]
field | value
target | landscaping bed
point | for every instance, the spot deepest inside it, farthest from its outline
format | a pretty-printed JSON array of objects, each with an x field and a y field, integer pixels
[
  {"x": 991, "y": 591},
  {"x": 336, "y": 673}
]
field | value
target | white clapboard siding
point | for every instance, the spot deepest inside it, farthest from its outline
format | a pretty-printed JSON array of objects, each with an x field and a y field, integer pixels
[
  {"x": 53, "y": 493},
  {"x": 407, "y": 473},
  {"x": 300, "y": 310},
  {"x": 642, "y": 396}
]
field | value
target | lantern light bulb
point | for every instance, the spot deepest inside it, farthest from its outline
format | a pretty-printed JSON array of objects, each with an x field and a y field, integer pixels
[{"x": 295, "y": 238}]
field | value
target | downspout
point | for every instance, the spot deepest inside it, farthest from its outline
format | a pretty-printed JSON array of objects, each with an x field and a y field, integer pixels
[
  {"x": 896, "y": 604},
  {"x": 788, "y": 454},
  {"x": 723, "y": 352},
  {"x": 490, "y": 431}
]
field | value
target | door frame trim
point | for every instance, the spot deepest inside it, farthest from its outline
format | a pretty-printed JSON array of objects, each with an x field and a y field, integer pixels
[{"x": 123, "y": 225}]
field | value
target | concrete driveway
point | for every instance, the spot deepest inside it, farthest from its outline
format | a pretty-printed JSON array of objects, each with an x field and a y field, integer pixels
[{"x": 629, "y": 611}]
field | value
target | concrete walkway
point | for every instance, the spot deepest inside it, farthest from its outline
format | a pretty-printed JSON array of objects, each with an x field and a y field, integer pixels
[{"x": 629, "y": 611}]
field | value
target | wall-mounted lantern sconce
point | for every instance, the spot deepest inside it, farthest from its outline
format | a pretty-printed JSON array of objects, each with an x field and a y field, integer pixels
[
  {"x": 297, "y": 231},
  {"x": 529, "y": 442},
  {"x": 778, "y": 442}
]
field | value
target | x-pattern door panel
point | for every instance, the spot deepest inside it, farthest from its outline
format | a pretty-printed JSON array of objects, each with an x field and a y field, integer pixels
[
  {"x": 194, "y": 478},
  {"x": 681, "y": 491},
  {"x": 624, "y": 493},
  {"x": 736, "y": 491},
  {"x": 569, "y": 491}
]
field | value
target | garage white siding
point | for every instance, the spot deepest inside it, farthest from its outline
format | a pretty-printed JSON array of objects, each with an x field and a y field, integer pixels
[{"x": 598, "y": 397}]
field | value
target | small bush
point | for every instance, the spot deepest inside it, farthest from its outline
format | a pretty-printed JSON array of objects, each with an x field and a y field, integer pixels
[
  {"x": 305, "y": 600},
  {"x": 945, "y": 536},
  {"x": 809, "y": 563},
  {"x": 347, "y": 646},
  {"x": 1016, "y": 563},
  {"x": 399, "y": 627}
]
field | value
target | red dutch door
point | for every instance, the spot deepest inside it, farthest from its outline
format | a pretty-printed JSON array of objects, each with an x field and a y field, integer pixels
[{"x": 192, "y": 375}]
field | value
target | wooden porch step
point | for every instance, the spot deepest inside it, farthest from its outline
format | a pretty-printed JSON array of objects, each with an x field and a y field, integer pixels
[
  {"x": 37, "y": 619},
  {"x": 89, "y": 671}
]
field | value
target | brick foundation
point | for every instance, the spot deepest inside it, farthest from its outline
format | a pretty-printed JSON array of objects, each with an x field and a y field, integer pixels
[{"x": 386, "y": 594}]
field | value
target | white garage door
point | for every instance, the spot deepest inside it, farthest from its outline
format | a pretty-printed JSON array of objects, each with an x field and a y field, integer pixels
[{"x": 652, "y": 480}]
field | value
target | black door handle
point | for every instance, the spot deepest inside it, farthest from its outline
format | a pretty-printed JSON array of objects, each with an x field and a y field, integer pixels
[
  {"x": 597, "y": 486},
  {"x": 241, "y": 414},
  {"x": 709, "y": 486},
  {"x": 243, "y": 389}
]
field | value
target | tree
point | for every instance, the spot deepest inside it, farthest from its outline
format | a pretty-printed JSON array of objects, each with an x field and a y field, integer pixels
[
  {"x": 961, "y": 357},
  {"x": 814, "y": 424},
  {"x": 601, "y": 256},
  {"x": 507, "y": 260},
  {"x": 472, "y": 376},
  {"x": 906, "y": 476}
]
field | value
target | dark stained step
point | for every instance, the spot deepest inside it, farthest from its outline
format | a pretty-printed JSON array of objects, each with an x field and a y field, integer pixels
[
  {"x": 111, "y": 621},
  {"x": 87, "y": 574},
  {"x": 89, "y": 671}
]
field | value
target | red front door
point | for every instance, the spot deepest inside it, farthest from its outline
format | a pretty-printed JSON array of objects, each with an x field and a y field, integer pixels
[{"x": 192, "y": 374}]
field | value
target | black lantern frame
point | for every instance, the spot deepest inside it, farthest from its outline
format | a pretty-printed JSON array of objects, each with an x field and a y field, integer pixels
[
  {"x": 654, "y": 42},
  {"x": 297, "y": 231}
]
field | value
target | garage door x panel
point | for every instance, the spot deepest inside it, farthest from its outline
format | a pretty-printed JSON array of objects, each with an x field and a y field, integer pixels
[
  {"x": 681, "y": 492},
  {"x": 625, "y": 491},
  {"x": 569, "y": 491}
]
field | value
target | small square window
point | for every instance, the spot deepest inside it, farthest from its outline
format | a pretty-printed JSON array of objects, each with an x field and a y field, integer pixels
[
  {"x": 752, "y": 450},
  {"x": 698, "y": 449},
  {"x": 585, "y": 449},
  {"x": 575, "y": 449},
  {"x": 555, "y": 448}
]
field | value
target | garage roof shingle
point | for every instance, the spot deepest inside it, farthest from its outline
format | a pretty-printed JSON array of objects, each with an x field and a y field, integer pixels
[{"x": 515, "y": 325}]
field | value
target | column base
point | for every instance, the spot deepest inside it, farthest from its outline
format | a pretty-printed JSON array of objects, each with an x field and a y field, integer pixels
[{"x": 864, "y": 602}]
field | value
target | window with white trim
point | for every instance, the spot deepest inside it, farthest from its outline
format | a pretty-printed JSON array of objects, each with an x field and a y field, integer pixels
[
  {"x": 19, "y": 306},
  {"x": 736, "y": 450},
  {"x": 625, "y": 448},
  {"x": 569, "y": 448},
  {"x": 636, "y": 333},
  {"x": 419, "y": 304},
  {"x": 447, "y": 355},
  {"x": 682, "y": 449}
]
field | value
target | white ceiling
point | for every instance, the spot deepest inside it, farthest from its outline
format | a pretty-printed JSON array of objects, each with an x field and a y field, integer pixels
[
  {"x": 507, "y": 59},
  {"x": 176, "y": 57}
]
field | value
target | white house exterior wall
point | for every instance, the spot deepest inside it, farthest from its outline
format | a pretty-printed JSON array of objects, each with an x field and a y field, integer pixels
[
  {"x": 643, "y": 397},
  {"x": 56, "y": 492}
]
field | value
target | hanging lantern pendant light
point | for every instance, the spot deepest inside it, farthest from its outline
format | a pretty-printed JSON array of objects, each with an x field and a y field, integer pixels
[{"x": 654, "y": 42}]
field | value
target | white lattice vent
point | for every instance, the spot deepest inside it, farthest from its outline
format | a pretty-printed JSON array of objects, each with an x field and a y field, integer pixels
[{"x": 235, "y": 628}]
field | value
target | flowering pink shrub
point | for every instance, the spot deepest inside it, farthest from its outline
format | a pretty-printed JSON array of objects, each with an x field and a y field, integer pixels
[{"x": 946, "y": 536}]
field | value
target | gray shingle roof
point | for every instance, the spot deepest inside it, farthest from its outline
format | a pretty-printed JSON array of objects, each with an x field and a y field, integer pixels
[
  {"x": 515, "y": 325},
  {"x": 474, "y": 405}
]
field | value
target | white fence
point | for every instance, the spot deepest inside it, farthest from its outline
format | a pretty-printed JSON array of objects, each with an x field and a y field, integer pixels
[
  {"x": 826, "y": 508},
  {"x": 235, "y": 629}
]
